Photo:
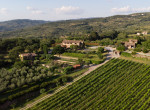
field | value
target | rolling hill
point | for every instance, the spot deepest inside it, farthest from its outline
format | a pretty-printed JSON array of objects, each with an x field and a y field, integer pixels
[
  {"x": 19, "y": 24},
  {"x": 130, "y": 23}
]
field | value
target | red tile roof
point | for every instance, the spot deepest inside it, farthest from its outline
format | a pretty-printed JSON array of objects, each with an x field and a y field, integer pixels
[
  {"x": 77, "y": 66},
  {"x": 28, "y": 54},
  {"x": 72, "y": 41}
]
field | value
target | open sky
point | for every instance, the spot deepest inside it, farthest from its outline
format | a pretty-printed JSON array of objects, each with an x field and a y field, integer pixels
[{"x": 53, "y": 10}]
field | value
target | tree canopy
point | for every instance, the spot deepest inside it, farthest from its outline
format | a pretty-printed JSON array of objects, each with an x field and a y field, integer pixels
[{"x": 58, "y": 50}]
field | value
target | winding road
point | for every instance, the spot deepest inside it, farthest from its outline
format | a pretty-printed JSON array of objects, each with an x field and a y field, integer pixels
[{"x": 109, "y": 56}]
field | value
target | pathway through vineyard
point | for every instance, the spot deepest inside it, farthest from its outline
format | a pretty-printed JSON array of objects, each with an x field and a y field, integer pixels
[{"x": 109, "y": 56}]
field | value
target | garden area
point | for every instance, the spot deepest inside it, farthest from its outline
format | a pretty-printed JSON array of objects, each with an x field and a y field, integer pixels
[{"x": 91, "y": 56}]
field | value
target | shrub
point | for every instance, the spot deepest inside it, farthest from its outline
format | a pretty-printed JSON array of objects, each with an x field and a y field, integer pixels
[
  {"x": 43, "y": 56},
  {"x": 137, "y": 49},
  {"x": 96, "y": 61},
  {"x": 125, "y": 54},
  {"x": 121, "y": 48},
  {"x": 145, "y": 50},
  {"x": 49, "y": 57},
  {"x": 100, "y": 49},
  {"x": 100, "y": 55},
  {"x": 36, "y": 62},
  {"x": 19, "y": 64},
  {"x": 87, "y": 62},
  {"x": 68, "y": 70},
  {"x": 42, "y": 91},
  {"x": 133, "y": 53},
  {"x": 92, "y": 52},
  {"x": 81, "y": 62}
]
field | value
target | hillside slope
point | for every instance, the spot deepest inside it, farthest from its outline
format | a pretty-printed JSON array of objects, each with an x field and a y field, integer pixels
[
  {"x": 19, "y": 24},
  {"x": 119, "y": 84},
  {"x": 130, "y": 23}
]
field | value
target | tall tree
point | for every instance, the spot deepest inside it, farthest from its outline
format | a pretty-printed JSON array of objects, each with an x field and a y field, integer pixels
[
  {"x": 14, "y": 53},
  {"x": 93, "y": 36},
  {"x": 45, "y": 49},
  {"x": 58, "y": 50},
  {"x": 100, "y": 49}
]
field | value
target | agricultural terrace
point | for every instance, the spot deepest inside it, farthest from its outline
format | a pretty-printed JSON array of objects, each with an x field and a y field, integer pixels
[
  {"x": 92, "y": 57},
  {"x": 119, "y": 84}
]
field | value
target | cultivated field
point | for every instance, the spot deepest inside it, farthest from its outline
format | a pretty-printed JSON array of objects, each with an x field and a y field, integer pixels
[{"x": 119, "y": 84}]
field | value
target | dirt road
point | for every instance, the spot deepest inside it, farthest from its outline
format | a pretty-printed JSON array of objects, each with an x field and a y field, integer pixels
[{"x": 109, "y": 56}]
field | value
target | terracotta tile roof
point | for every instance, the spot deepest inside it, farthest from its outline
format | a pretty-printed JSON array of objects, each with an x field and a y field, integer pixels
[
  {"x": 28, "y": 54},
  {"x": 131, "y": 42},
  {"x": 72, "y": 41},
  {"x": 77, "y": 66}
]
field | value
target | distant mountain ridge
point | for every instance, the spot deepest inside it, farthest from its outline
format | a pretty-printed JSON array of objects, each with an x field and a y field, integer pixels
[
  {"x": 132, "y": 23},
  {"x": 19, "y": 24}
]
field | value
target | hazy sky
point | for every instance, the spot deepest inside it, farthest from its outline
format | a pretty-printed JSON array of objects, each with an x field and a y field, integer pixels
[{"x": 68, "y": 9}]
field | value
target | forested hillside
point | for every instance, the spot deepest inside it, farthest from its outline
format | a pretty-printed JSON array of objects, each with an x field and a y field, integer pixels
[
  {"x": 128, "y": 23},
  {"x": 19, "y": 24}
]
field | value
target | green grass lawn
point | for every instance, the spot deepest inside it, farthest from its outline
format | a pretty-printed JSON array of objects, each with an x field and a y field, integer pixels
[
  {"x": 92, "y": 57},
  {"x": 79, "y": 55},
  {"x": 128, "y": 56},
  {"x": 137, "y": 59},
  {"x": 83, "y": 56}
]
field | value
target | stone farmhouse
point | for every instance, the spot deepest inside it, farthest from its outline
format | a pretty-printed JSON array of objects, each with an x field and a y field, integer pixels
[
  {"x": 144, "y": 32},
  {"x": 68, "y": 43},
  {"x": 131, "y": 43},
  {"x": 27, "y": 56}
]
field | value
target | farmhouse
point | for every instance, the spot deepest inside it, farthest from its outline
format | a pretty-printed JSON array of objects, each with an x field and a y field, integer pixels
[
  {"x": 145, "y": 32},
  {"x": 142, "y": 33},
  {"x": 27, "y": 56},
  {"x": 68, "y": 43},
  {"x": 131, "y": 44},
  {"x": 138, "y": 34}
]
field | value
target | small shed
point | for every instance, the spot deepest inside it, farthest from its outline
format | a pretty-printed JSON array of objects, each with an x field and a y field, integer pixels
[
  {"x": 27, "y": 56},
  {"x": 77, "y": 66}
]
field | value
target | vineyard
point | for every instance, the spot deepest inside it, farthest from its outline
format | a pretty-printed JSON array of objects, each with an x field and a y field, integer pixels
[{"x": 119, "y": 84}]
